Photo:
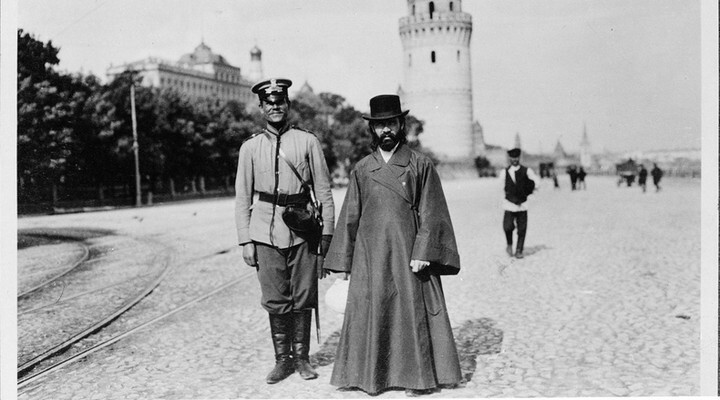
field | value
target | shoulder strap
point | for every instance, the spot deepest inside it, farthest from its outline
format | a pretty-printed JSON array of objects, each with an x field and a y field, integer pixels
[{"x": 294, "y": 170}]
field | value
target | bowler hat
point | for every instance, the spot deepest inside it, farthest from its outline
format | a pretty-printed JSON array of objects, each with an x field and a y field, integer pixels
[
  {"x": 385, "y": 106},
  {"x": 272, "y": 86},
  {"x": 514, "y": 152}
]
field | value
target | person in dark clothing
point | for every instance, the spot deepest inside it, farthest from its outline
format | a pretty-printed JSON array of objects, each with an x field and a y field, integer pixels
[
  {"x": 657, "y": 174},
  {"x": 395, "y": 238},
  {"x": 581, "y": 178},
  {"x": 572, "y": 171},
  {"x": 519, "y": 184},
  {"x": 642, "y": 178}
]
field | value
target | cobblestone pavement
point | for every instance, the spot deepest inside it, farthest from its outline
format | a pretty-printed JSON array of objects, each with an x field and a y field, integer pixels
[{"x": 605, "y": 303}]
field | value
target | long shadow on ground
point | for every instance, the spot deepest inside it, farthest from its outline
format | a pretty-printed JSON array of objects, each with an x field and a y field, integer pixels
[
  {"x": 534, "y": 249},
  {"x": 473, "y": 338},
  {"x": 46, "y": 236}
]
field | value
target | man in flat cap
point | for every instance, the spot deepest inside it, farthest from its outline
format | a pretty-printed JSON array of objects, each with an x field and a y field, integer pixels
[
  {"x": 288, "y": 267},
  {"x": 395, "y": 237},
  {"x": 519, "y": 184}
]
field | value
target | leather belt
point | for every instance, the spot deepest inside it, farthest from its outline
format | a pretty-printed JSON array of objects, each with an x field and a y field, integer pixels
[{"x": 283, "y": 199}]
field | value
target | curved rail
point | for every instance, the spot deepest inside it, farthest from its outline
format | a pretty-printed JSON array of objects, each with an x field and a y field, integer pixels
[
  {"x": 82, "y": 259},
  {"x": 30, "y": 378},
  {"x": 27, "y": 366}
]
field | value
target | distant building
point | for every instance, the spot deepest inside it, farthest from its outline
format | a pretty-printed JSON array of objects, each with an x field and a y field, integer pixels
[
  {"x": 478, "y": 140},
  {"x": 255, "y": 72},
  {"x": 561, "y": 159},
  {"x": 586, "y": 160},
  {"x": 517, "y": 145},
  {"x": 201, "y": 73},
  {"x": 437, "y": 86}
]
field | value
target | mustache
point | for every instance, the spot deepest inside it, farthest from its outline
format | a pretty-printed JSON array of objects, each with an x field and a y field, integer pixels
[{"x": 389, "y": 135}]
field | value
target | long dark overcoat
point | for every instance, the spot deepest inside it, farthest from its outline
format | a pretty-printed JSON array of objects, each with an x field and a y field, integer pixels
[{"x": 396, "y": 331}]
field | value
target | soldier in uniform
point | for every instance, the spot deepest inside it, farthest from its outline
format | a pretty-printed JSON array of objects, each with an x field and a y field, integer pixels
[
  {"x": 287, "y": 267},
  {"x": 519, "y": 184}
]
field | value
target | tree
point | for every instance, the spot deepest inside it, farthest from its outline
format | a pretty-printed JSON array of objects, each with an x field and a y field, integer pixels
[{"x": 46, "y": 107}]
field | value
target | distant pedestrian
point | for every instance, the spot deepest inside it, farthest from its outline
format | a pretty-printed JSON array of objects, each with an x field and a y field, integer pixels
[
  {"x": 581, "y": 178},
  {"x": 642, "y": 177},
  {"x": 288, "y": 267},
  {"x": 657, "y": 174},
  {"x": 554, "y": 176},
  {"x": 572, "y": 172},
  {"x": 519, "y": 184},
  {"x": 395, "y": 238}
]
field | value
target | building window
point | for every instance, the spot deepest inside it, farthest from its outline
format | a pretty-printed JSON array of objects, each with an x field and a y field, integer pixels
[
  {"x": 432, "y": 9},
  {"x": 451, "y": 6},
  {"x": 432, "y": 57},
  {"x": 458, "y": 55},
  {"x": 409, "y": 60}
]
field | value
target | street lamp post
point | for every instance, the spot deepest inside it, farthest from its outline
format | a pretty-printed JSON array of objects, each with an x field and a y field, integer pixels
[{"x": 136, "y": 147}]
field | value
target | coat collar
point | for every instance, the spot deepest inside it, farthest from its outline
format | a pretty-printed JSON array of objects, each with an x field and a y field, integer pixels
[
  {"x": 392, "y": 175},
  {"x": 400, "y": 158}
]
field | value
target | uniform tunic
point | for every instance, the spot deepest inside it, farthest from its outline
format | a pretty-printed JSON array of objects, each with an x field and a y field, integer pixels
[
  {"x": 286, "y": 269},
  {"x": 396, "y": 331},
  {"x": 261, "y": 170}
]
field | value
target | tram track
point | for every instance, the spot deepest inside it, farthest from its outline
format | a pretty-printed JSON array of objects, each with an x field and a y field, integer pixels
[
  {"x": 63, "y": 272},
  {"x": 61, "y": 354},
  {"x": 41, "y": 355},
  {"x": 29, "y": 378}
]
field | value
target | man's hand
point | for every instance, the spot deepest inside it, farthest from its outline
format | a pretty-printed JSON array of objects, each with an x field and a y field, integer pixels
[
  {"x": 418, "y": 265},
  {"x": 325, "y": 244},
  {"x": 249, "y": 254}
]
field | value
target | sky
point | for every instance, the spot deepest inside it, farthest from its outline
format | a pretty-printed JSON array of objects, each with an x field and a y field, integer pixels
[{"x": 629, "y": 72}]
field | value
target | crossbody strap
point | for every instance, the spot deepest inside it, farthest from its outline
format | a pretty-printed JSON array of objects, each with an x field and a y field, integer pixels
[
  {"x": 303, "y": 182},
  {"x": 294, "y": 170}
]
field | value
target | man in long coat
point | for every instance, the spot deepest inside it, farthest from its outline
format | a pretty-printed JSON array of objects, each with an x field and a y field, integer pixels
[{"x": 395, "y": 238}]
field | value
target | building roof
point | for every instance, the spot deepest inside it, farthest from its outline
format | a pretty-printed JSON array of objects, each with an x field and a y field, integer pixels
[{"x": 202, "y": 55}]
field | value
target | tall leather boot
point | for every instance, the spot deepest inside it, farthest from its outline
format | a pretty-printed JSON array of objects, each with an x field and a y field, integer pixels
[
  {"x": 301, "y": 344},
  {"x": 281, "y": 328}
]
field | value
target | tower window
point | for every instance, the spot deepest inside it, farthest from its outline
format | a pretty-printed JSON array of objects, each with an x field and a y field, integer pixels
[
  {"x": 432, "y": 57},
  {"x": 451, "y": 6},
  {"x": 432, "y": 9},
  {"x": 458, "y": 55},
  {"x": 413, "y": 10},
  {"x": 409, "y": 60}
]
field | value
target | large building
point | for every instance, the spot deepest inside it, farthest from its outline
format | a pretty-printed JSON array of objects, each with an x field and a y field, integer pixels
[
  {"x": 437, "y": 87},
  {"x": 201, "y": 73}
]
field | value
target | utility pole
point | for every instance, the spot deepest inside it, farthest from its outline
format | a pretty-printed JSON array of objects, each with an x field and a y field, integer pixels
[{"x": 136, "y": 148}]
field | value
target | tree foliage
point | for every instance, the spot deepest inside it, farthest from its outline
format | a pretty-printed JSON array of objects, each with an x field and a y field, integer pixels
[{"x": 75, "y": 133}]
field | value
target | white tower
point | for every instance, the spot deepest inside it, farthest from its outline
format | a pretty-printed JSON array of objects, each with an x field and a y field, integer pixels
[
  {"x": 437, "y": 85},
  {"x": 255, "y": 71},
  {"x": 517, "y": 141},
  {"x": 585, "y": 151}
]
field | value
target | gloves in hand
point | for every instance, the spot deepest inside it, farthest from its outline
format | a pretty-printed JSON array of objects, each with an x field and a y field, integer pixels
[{"x": 325, "y": 246}]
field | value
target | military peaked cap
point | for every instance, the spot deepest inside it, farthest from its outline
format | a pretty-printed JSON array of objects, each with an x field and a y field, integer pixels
[{"x": 277, "y": 86}]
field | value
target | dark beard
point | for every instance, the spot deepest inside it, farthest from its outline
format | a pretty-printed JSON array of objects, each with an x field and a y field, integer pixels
[{"x": 388, "y": 141}]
